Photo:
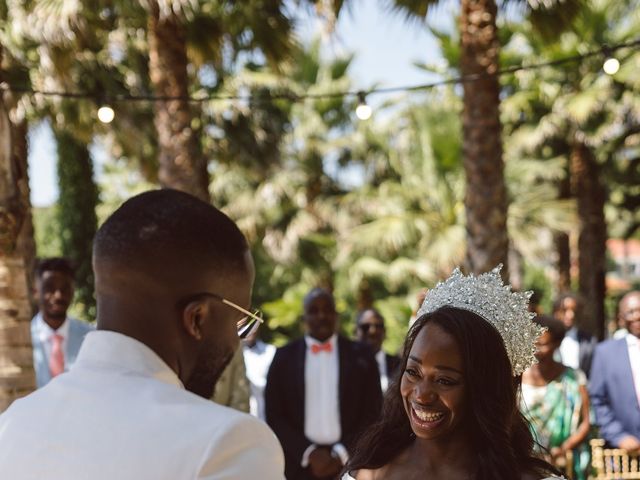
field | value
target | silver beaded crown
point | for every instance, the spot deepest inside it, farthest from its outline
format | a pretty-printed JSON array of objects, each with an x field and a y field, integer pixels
[{"x": 486, "y": 296}]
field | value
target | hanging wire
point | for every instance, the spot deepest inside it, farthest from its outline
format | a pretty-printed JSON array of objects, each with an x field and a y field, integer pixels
[{"x": 606, "y": 50}]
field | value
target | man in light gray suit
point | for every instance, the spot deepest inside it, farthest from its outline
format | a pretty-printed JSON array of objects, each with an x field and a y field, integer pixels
[{"x": 56, "y": 338}]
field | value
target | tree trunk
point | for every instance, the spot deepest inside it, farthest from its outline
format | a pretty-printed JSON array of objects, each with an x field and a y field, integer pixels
[
  {"x": 181, "y": 163},
  {"x": 77, "y": 214},
  {"x": 486, "y": 198},
  {"x": 591, "y": 197},
  {"x": 561, "y": 241},
  {"x": 26, "y": 245},
  {"x": 17, "y": 377}
]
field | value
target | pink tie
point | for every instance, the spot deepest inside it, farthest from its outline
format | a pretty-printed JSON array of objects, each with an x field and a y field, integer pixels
[{"x": 56, "y": 362}]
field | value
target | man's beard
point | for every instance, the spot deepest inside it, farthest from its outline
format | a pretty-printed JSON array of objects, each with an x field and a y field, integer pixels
[{"x": 210, "y": 363}]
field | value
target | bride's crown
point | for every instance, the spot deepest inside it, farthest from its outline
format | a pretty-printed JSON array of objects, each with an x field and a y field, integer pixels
[{"x": 486, "y": 296}]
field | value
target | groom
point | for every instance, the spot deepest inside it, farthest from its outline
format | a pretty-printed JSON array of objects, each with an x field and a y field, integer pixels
[{"x": 172, "y": 274}]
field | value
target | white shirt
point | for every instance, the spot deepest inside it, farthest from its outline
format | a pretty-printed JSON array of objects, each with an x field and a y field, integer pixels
[
  {"x": 45, "y": 334},
  {"x": 633, "y": 344},
  {"x": 381, "y": 358},
  {"x": 570, "y": 349},
  {"x": 321, "y": 402},
  {"x": 257, "y": 360},
  {"x": 122, "y": 413}
]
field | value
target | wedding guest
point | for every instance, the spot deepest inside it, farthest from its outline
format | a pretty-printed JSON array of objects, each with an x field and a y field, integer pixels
[
  {"x": 370, "y": 329},
  {"x": 556, "y": 402},
  {"x": 173, "y": 280},
  {"x": 322, "y": 392},
  {"x": 453, "y": 412},
  {"x": 577, "y": 347},
  {"x": 615, "y": 381},
  {"x": 257, "y": 358},
  {"x": 55, "y": 336}
]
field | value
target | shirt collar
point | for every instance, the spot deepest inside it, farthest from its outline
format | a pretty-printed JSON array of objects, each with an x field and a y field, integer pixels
[
  {"x": 258, "y": 347},
  {"x": 381, "y": 356},
  {"x": 632, "y": 340},
  {"x": 312, "y": 341},
  {"x": 45, "y": 332},
  {"x": 112, "y": 350},
  {"x": 572, "y": 333}
]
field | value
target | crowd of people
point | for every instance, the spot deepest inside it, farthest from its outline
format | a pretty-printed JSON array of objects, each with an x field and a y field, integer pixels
[{"x": 158, "y": 387}]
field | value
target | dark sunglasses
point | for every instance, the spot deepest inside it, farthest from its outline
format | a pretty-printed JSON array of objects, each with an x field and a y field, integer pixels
[{"x": 365, "y": 327}]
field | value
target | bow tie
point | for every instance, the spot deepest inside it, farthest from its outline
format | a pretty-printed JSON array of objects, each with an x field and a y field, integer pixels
[{"x": 321, "y": 347}]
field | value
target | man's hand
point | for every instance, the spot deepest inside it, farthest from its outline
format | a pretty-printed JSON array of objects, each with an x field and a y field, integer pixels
[
  {"x": 322, "y": 464},
  {"x": 630, "y": 443}
]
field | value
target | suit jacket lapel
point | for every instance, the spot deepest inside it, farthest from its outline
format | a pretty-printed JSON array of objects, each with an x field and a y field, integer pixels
[
  {"x": 626, "y": 373},
  {"x": 298, "y": 377}
]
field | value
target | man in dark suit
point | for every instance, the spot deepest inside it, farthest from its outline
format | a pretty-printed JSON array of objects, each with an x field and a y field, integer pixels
[
  {"x": 615, "y": 381},
  {"x": 577, "y": 347},
  {"x": 370, "y": 330},
  {"x": 322, "y": 392}
]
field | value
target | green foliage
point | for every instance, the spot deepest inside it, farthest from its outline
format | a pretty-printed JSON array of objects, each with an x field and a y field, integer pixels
[
  {"x": 47, "y": 232},
  {"x": 77, "y": 215}
]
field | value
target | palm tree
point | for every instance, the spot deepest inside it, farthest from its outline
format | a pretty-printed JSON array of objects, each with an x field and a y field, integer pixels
[
  {"x": 62, "y": 48},
  {"x": 572, "y": 116},
  {"x": 17, "y": 377},
  {"x": 486, "y": 194},
  {"x": 184, "y": 37}
]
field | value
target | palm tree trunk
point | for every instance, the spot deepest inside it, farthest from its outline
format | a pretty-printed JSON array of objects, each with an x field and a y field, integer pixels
[
  {"x": 486, "y": 197},
  {"x": 561, "y": 241},
  {"x": 26, "y": 245},
  {"x": 591, "y": 197},
  {"x": 181, "y": 163},
  {"x": 77, "y": 213},
  {"x": 17, "y": 377}
]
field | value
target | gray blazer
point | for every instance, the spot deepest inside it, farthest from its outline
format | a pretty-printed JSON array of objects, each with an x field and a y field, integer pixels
[{"x": 77, "y": 331}]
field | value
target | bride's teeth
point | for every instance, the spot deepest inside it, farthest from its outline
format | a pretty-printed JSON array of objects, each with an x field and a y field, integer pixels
[{"x": 428, "y": 417}]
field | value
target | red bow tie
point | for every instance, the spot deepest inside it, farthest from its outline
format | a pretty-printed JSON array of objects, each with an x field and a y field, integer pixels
[{"x": 321, "y": 347}]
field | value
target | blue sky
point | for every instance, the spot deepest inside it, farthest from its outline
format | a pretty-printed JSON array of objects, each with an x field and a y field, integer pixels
[{"x": 385, "y": 47}]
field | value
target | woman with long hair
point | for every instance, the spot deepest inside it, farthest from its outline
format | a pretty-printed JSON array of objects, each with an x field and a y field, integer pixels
[{"x": 453, "y": 411}]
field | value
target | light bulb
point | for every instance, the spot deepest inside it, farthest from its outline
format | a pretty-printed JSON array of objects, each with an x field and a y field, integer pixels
[
  {"x": 106, "y": 114},
  {"x": 611, "y": 66},
  {"x": 363, "y": 111}
]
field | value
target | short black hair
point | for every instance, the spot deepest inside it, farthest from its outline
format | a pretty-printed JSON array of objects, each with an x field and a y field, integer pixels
[
  {"x": 375, "y": 312},
  {"x": 54, "y": 264},
  {"x": 560, "y": 300},
  {"x": 556, "y": 328},
  {"x": 318, "y": 292},
  {"x": 156, "y": 226}
]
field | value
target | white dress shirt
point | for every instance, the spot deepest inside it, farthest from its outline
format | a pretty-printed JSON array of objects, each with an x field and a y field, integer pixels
[
  {"x": 257, "y": 360},
  {"x": 633, "y": 344},
  {"x": 321, "y": 402},
  {"x": 381, "y": 358},
  {"x": 570, "y": 349},
  {"x": 122, "y": 413},
  {"x": 45, "y": 334}
]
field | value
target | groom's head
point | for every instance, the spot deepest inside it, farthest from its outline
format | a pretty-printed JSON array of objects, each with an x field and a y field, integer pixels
[{"x": 164, "y": 261}]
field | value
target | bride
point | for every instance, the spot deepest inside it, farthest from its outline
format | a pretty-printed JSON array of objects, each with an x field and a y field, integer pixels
[{"x": 452, "y": 413}]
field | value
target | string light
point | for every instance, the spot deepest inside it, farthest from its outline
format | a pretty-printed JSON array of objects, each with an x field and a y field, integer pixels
[
  {"x": 363, "y": 110},
  {"x": 611, "y": 66},
  {"x": 106, "y": 114}
]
